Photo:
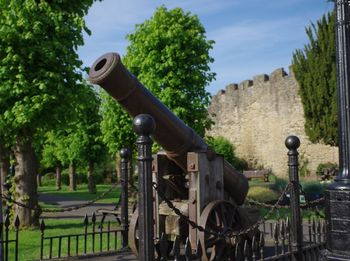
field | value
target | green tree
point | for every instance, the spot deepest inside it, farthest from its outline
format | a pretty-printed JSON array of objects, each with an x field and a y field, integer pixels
[
  {"x": 50, "y": 155},
  {"x": 225, "y": 148},
  {"x": 38, "y": 80},
  {"x": 116, "y": 127},
  {"x": 169, "y": 54},
  {"x": 94, "y": 149},
  {"x": 315, "y": 71},
  {"x": 78, "y": 143}
]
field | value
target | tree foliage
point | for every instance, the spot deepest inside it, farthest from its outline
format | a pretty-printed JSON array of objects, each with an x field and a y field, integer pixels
[
  {"x": 38, "y": 61},
  {"x": 225, "y": 148},
  {"x": 116, "y": 125},
  {"x": 79, "y": 141},
  {"x": 169, "y": 53},
  {"x": 39, "y": 72},
  {"x": 315, "y": 71}
]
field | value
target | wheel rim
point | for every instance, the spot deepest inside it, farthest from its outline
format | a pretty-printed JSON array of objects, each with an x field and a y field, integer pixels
[
  {"x": 220, "y": 217},
  {"x": 134, "y": 233}
]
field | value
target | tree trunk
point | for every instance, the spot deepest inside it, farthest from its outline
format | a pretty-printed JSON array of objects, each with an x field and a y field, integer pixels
[
  {"x": 4, "y": 165},
  {"x": 26, "y": 186},
  {"x": 91, "y": 182},
  {"x": 58, "y": 177},
  {"x": 72, "y": 177},
  {"x": 117, "y": 167}
]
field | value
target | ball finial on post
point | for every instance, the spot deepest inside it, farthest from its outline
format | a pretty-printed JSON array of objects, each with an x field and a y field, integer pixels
[
  {"x": 292, "y": 142},
  {"x": 124, "y": 153},
  {"x": 144, "y": 124}
]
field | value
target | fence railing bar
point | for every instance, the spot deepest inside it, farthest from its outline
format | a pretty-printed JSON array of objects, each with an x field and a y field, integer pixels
[
  {"x": 59, "y": 247},
  {"x": 275, "y": 237},
  {"x": 86, "y": 223},
  {"x": 176, "y": 249},
  {"x": 69, "y": 245},
  {"x": 163, "y": 245},
  {"x": 115, "y": 240},
  {"x": 50, "y": 248},
  {"x": 17, "y": 223},
  {"x": 188, "y": 250},
  {"x": 108, "y": 234},
  {"x": 77, "y": 245},
  {"x": 7, "y": 224},
  {"x": 93, "y": 220},
  {"x": 101, "y": 238}
]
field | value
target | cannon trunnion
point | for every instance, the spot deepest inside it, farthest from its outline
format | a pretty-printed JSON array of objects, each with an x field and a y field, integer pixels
[{"x": 188, "y": 174}]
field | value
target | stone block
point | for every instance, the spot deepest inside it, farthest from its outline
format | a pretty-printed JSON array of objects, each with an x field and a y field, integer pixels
[
  {"x": 245, "y": 84},
  {"x": 260, "y": 78}
]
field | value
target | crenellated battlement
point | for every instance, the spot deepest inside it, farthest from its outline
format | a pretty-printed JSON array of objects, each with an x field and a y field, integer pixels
[{"x": 258, "y": 80}]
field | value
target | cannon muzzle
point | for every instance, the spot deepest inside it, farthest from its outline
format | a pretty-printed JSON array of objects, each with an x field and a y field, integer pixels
[{"x": 171, "y": 133}]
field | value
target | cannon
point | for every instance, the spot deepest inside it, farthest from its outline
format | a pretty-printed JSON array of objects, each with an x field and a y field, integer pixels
[{"x": 204, "y": 186}]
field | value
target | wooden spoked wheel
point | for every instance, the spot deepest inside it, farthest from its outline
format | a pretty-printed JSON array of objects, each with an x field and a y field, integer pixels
[
  {"x": 220, "y": 217},
  {"x": 133, "y": 233}
]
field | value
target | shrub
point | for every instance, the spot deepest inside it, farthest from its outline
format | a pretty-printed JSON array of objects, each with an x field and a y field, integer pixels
[
  {"x": 48, "y": 179},
  {"x": 224, "y": 147},
  {"x": 313, "y": 189},
  {"x": 279, "y": 185},
  {"x": 322, "y": 167},
  {"x": 262, "y": 194}
]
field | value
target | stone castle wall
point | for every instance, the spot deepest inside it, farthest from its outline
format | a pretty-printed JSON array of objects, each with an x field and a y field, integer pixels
[{"x": 257, "y": 115}]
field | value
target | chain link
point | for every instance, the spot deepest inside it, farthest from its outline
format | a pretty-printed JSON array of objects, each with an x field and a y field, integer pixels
[
  {"x": 228, "y": 234},
  {"x": 308, "y": 204},
  {"x": 49, "y": 210}
]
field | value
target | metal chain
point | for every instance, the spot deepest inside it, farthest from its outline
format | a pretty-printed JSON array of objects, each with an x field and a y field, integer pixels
[
  {"x": 229, "y": 234},
  {"x": 267, "y": 215},
  {"x": 181, "y": 215},
  {"x": 48, "y": 210},
  {"x": 307, "y": 205}
]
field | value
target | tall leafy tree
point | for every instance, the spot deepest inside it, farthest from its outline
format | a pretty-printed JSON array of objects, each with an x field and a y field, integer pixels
[
  {"x": 169, "y": 53},
  {"x": 77, "y": 143},
  {"x": 116, "y": 127},
  {"x": 94, "y": 149},
  {"x": 315, "y": 70},
  {"x": 38, "y": 79},
  {"x": 50, "y": 155}
]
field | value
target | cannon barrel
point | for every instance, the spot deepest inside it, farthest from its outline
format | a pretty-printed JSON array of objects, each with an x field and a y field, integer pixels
[{"x": 171, "y": 133}]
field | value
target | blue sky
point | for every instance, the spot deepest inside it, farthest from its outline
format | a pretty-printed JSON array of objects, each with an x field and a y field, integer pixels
[{"x": 252, "y": 36}]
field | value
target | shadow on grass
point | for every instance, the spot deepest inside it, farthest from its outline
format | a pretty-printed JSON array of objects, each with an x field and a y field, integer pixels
[{"x": 49, "y": 195}]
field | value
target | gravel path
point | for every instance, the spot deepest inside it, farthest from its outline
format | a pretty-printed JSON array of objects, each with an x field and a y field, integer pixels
[{"x": 65, "y": 202}]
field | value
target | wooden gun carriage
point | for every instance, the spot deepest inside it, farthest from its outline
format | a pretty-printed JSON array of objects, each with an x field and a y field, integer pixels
[{"x": 188, "y": 173}]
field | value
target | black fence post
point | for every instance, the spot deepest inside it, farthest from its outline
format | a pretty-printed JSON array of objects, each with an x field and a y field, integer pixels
[
  {"x": 42, "y": 237},
  {"x": 124, "y": 175},
  {"x": 293, "y": 143},
  {"x": 144, "y": 125}
]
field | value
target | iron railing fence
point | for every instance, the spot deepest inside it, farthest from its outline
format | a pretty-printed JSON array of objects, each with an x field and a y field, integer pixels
[
  {"x": 266, "y": 245},
  {"x": 96, "y": 239},
  {"x": 6, "y": 241}
]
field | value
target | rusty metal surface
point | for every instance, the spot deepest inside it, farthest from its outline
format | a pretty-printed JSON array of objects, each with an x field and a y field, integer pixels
[{"x": 171, "y": 133}]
